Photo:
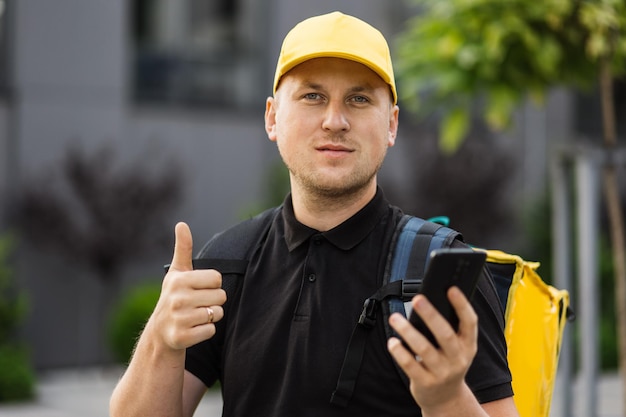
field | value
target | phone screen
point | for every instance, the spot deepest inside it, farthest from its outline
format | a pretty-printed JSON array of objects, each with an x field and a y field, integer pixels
[{"x": 459, "y": 267}]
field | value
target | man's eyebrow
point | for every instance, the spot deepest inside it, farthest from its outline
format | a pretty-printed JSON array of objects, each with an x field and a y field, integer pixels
[
  {"x": 355, "y": 89},
  {"x": 361, "y": 88},
  {"x": 310, "y": 84}
]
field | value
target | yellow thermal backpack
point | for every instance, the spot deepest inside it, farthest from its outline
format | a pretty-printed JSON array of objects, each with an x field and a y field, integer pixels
[
  {"x": 535, "y": 312},
  {"x": 535, "y": 316}
]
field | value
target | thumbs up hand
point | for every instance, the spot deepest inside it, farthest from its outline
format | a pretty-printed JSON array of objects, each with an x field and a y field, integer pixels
[{"x": 190, "y": 302}]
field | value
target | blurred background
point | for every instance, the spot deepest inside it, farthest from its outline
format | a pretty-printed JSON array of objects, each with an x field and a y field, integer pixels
[{"x": 120, "y": 117}]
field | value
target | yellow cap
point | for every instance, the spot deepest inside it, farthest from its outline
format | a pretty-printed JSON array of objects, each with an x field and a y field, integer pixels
[{"x": 336, "y": 35}]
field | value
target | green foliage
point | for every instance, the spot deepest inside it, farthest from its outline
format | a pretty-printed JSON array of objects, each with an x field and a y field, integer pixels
[
  {"x": 17, "y": 381},
  {"x": 128, "y": 319},
  {"x": 16, "y": 376},
  {"x": 454, "y": 126},
  {"x": 13, "y": 305},
  {"x": 501, "y": 51}
]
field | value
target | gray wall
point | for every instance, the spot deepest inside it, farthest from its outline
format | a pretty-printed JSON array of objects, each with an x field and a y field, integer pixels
[{"x": 71, "y": 69}]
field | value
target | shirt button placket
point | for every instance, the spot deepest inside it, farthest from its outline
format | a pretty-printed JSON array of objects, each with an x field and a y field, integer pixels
[{"x": 317, "y": 241}]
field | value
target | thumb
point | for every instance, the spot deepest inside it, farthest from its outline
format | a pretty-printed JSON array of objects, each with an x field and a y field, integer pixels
[{"x": 183, "y": 248}]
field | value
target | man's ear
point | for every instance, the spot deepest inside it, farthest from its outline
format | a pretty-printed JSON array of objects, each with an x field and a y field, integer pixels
[
  {"x": 393, "y": 125},
  {"x": 270, "y": 118}
]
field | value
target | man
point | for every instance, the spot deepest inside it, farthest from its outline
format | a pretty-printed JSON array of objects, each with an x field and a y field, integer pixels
[{"x": 279, "y": 349}]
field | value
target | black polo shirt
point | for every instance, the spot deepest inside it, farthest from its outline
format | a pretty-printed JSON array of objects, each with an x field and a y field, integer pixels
[{"x": 280, "y": 350}]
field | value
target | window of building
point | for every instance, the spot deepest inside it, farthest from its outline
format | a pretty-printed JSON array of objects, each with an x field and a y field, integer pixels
[{"x": 196, "y": 53}]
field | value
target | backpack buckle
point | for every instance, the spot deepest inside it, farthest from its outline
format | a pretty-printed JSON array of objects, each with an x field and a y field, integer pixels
[
  {"x": 368, "y": 315},
  {"x": 410, "y": 288}
]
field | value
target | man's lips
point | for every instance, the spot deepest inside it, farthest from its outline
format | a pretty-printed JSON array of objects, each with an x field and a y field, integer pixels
[
  {"x": 334, "y": 152},
  {"x": 333, "y": 148}
]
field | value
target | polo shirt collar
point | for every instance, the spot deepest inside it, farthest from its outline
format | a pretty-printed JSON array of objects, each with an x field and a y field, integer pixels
[{"x": 346, "y": 235}]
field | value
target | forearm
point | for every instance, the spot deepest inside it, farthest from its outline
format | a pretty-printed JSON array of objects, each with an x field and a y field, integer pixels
[
  {"x": 188, "y": 307},
  {"x": 464, "y": 400},
  {"x": 153, "y": 383}
]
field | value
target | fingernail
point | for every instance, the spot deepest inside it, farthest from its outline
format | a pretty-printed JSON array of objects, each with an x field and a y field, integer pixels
[
  {"x": 391, "y": 342},
  {"x": 394, "y": 318},
  {"x": 419, "y": 304}
]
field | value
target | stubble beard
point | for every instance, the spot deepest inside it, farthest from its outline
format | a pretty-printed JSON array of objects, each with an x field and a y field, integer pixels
[{"x": 333, "y": 192}]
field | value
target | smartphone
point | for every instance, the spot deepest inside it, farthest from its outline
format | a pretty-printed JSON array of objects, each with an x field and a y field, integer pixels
[{"x": 448, "y": 267}]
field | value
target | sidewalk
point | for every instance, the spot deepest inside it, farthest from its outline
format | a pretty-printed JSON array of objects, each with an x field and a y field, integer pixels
[
  {"x": 609, "y": 400},
  {"x": 86, "y": 392}
]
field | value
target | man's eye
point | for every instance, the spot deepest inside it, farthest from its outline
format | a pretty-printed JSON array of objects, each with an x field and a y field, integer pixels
[
  {"x": 360, "y": 99},
  {"x": 312, "y": 96}
]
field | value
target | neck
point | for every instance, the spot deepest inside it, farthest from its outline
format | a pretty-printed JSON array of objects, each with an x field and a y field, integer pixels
[{"x": 323, "y": 212}]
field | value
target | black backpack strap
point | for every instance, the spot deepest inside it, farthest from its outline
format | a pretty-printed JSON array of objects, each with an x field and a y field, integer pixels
[
  {"x": 356, "y": 346},
  {"x": 229, "y": 251},
  {"x": 412, "y": 242},
  {"x": 239, "y": 241},
  {"x": 408, "y": 260}
]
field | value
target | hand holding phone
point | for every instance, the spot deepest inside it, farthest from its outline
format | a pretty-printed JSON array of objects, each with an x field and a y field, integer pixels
[{"x": 449, "y": 267}]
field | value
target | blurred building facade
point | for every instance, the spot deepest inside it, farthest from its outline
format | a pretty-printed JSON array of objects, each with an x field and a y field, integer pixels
[{"x": 183, "y": 78}]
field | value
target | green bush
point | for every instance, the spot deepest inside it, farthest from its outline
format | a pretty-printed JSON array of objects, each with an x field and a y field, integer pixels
[
  {"x": 17, "y": 381},
  {"x": 128, "y": 319},
  {"x": 13, "y": 304}
]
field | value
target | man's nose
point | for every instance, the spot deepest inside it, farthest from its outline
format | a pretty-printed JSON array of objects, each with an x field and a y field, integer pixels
[{"x": 335, "y": 118}]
